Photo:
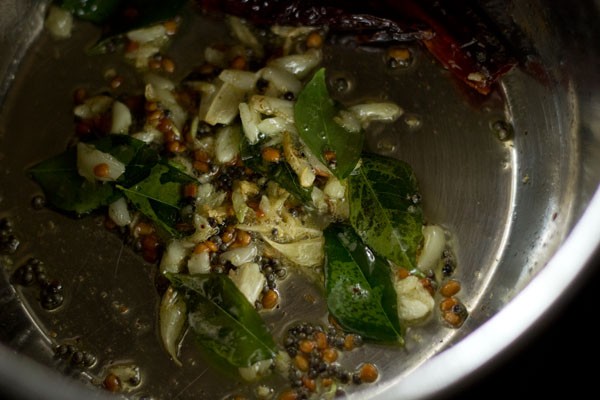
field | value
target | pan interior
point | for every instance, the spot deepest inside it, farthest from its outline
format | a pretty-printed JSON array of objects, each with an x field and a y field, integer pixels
[{"x": 506, "y": 204}]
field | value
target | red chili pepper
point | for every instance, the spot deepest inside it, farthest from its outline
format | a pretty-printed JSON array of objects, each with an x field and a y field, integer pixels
[
  {"x": 460, "y": 34},
  {"x": 467, "y": 40}
]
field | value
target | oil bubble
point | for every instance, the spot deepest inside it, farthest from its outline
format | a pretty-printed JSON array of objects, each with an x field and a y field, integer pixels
[
  {"x": 385, "y": 145},
  {"x": 502, "y": 129},
  {"x": 341, "y": 83},
  {"x": 413, "y": 121},
  {"x": 399, "y": 57}
]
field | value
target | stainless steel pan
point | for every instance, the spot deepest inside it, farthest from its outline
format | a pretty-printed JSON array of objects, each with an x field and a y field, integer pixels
[{"x": 523, "y": 210}]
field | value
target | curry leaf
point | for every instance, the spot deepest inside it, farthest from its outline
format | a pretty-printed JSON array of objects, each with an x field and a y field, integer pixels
[
  {"x": 120, "y": 16},
  {"x": 65, "y": 189},
  {"x": 279, "y": 172},
  {"x": 382, "y": 208},
  {"x": 154, "y": 188},
  {"x": 223, "y": 319},
  {"x": 360, "y": 292},
  {"x": 138, "y": 157},
  {"x": 68, "y": 191},
  {"x": 315, "y": 112},
  {"x": 159, "y": 196},
  {"x": 139, "y": 167}
]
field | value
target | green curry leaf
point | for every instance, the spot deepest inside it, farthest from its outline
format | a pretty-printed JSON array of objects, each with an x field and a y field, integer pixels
[
  {"x": 65, "y": 189},
  {"x": 315, "y": 112},
  {"x": 68, "y": 191},
  {"x": 137, "y": 156},
  {"x": 360, "y": 291},
  {"x": 223, "y": 319},
  {"x": 382, "y": 209},
  {"x": 159, "y": 196},
  {"x": 120, "y": 16},
  {"x": 154, "y": 188},
  {"x": 279, "y": 172}
]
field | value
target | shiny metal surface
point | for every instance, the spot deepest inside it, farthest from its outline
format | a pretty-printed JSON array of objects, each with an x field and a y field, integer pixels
[{"x": 519, "y": 210}]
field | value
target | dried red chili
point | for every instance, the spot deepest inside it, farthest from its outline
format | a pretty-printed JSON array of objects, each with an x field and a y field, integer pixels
[{"x": 476, "y": 48}]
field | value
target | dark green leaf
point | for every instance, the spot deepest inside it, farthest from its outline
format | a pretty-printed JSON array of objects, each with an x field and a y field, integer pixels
[
  {"x": 68, "y": 191},
  {"x": 382, "y": 210},
  {"x": 279, "y": 172},
  {"x": 175, "y": 174},
  {"x": 360, "y": 292},
  {"x": 376, "y": 270},
  {"x": 159, "y": 196},
  {"x": 123, "y": 147},
  {"x": 138, "y": 157},
  {"x": 140, "y": 165},
  {"x": 155, "y": 189},
  {"x": 223, "y": 319},
  {"x": 314, "y": 113},
  {"x": 120, "y": 16}
]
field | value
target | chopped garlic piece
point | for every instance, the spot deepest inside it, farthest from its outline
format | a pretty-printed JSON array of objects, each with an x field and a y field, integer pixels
[
  {"x": 300, "y": 165},
  {"x": 93, "y": 107},
  {"x": 199, "y": 263},
  {"x": 227, "y": 144},
  {"x": 244, "y": 80},
  {"x": 250, "y": 121},
  {"x": 306, "y": 253},
  {"x": 222, "y": 105},
  {"x": 434, "y": 242},
  {"x": 59, "y": 22},
  {"x": 174, "y": 256},
  {"x": 414, "y": 301},
  {"x": 172, "y": 316},
  {"x": 119, "y": 212},
  {"x": 89, "y": 158},
  {"x": 249, "y": 280},
  {"x": 299, "y": 64},
  {"x": 368, "y": 112},
  {"x": 121, "y": 118}
]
